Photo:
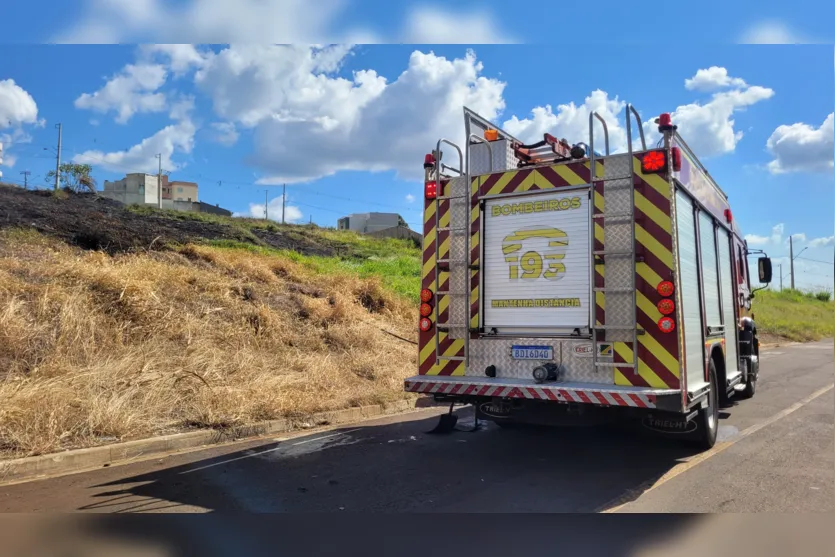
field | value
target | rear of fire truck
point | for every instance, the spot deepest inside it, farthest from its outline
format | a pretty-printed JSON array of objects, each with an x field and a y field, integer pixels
[{"x": 549, "y": 281}]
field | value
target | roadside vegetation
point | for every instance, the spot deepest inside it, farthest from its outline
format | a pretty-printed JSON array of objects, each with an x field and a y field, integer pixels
[
  {"x": 118, "y": 323},
  {"x": 794, "y": 315}
]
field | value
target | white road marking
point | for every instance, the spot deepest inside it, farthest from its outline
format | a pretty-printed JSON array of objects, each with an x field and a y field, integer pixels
[{"x": 617, "y": 504}]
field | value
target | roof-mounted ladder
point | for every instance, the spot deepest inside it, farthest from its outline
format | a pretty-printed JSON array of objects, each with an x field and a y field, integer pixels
[{"x": 618, "y": 255}]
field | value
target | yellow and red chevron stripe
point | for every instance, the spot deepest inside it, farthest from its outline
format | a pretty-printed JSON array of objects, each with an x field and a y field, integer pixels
[
  {"x": 657, "y": 353},
  {"x": 436, "y": 246}
]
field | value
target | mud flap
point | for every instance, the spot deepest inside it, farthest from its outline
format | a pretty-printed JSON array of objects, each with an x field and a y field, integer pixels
[{"x": 446, "y": 423}]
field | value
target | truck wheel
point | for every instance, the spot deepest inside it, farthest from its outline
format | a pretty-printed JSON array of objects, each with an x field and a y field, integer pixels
[
  {"x": 751, "y": 384},
  {"x": 709, "y": 416}
]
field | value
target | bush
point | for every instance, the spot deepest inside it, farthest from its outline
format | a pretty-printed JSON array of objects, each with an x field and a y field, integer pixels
[{"x": 823, "y": 295}]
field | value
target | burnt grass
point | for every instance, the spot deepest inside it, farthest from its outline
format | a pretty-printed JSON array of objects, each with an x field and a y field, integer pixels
[{"x": 92, "y": 222}]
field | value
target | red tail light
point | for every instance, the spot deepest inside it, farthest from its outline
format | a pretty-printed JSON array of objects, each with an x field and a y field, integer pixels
[
  {"x": 654, "y": 162},
  {"x": 666, "y": 324},
  {"x": 676, "y": 152},
  {"x": 425, "y": 295},
  {"x": 666, "y": 288},
  {"x": 666, "y": 307},
  {"x": 425, "y": 324},
  {"x": 425, "y": 310},
  {"x": 431, "y": 190}
]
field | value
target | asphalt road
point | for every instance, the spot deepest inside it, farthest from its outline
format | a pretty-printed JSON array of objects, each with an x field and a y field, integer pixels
[{"x": 775, "y": 454}]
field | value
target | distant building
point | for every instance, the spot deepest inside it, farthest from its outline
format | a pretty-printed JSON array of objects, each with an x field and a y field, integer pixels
[
  {"x": 141, "y": 189},
  {"x": 180, "y": 191},
  {"x": 134, "y": 189},
  {"x": 365, "y": 223}
]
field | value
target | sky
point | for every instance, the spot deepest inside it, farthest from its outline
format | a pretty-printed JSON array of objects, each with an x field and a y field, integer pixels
[{"x": 346, "y": 127}]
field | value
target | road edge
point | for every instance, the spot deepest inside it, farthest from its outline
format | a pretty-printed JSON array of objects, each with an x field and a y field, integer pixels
[{"x": 80, "y": 460}]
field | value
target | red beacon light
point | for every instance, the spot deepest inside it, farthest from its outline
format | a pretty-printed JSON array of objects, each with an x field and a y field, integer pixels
[
  {"x": 665, "y": 123},
  {"x": 429, "y": 160},
  {"x": 728, "y": 215}
]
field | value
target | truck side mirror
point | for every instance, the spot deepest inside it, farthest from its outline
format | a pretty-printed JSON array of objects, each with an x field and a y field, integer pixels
[{"x": 764, "y": 268}]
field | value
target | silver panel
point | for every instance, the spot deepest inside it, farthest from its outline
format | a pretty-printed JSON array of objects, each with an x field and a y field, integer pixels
[
  {"x": 485, "y": 352},
  {"x": 618, "y": 236},
  {"x": 728, "y": 302},
  {"x": 503, "y": 157},
  {"x": 688, "y": 294},
  {"x": 709, "y": 271}
]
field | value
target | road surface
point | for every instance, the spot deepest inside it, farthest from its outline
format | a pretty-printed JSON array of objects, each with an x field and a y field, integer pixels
[{"x": 775, "y": 454}]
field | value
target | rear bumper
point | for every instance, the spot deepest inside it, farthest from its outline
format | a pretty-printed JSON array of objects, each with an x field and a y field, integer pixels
[{"x": 564, "y": 392}]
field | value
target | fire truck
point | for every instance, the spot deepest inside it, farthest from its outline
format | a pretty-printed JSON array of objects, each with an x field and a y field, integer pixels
[{"x": 560, "y": 281}]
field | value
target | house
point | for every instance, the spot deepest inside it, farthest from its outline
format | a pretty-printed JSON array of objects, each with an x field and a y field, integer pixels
[
  {"x": 141, "y": 189},
  {"x": 380, "y": 225},
  {"x": 370, "y": 222}
]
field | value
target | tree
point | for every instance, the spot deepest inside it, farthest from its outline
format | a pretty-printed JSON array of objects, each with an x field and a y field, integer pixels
[{"x": 74, "y": 176}]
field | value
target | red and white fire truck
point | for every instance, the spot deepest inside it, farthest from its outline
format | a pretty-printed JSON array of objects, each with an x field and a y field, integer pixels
[{"x": 558, "y": 280}]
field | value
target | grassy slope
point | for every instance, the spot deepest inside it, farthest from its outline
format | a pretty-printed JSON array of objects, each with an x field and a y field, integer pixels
[
  {"x": 793, "y": 316},
  {"x": 99, "y": 347},
  {"x": 102, "y": 347}
]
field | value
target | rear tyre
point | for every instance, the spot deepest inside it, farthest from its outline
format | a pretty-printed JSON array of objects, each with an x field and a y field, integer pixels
[{"x": 708, "y": 416}]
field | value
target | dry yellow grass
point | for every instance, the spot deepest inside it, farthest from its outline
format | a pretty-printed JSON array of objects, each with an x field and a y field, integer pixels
[{"x": 97, "y": 348}]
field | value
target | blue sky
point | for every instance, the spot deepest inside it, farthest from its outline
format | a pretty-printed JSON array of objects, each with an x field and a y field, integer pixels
[{"x": 346, "y": 127}]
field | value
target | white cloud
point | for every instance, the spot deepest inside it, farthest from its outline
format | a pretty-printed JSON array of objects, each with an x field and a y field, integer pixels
[
  {"x": 132, "y": 90},
  {"x": 776, "y": 237},
  {"x": 410, "y": 198},
  {"x": 802, "y": 148},
  {"x": 269, "y": 22},
  {"x": 826, "y": 242},
  {"x": 226, "y": 134},
  {"x": 571, "y": 122},
  {"x": 17, "y": 107},
  {"x": 772, "y": 32},
  {"x": 433, "y": 25},
  {"x": 292, "y": 213},
  {"x": 205, "y": 22},
  {"x": 180, "y": 58},
  {"x": 94, "y": 122},
  {"x": 712, "y": 78},
  {"x": 710, "y": 127},
  {"x": 142, "y": 157},
  {"x": 300, "y": 110}
]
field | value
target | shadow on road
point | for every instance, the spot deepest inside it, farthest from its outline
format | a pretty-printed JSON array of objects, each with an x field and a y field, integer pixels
[{"x": 398, "y": 468}]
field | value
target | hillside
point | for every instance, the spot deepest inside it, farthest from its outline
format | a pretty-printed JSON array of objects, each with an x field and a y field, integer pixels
[
  {"x": 164, "y": 329},
  {"x": 118, "y": 324}
]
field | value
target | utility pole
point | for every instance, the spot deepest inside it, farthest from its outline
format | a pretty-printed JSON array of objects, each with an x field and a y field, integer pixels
[
  {"x": 283, "y": 201},
  {"x": 791, "y": 263},
  {"x": 266, "y": 205},
  {"x": 58, "y": 159},
  {"x": 781, "y": 277},
  {"x": 159, "y": 182},
  {"x": 26, "y": 174}
]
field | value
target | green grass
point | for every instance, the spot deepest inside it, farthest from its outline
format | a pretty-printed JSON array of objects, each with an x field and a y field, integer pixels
[{"x": 794, "y": 315}]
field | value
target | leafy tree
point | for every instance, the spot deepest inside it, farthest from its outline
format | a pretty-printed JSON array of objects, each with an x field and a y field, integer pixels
[{"x": 75, "y": 177}]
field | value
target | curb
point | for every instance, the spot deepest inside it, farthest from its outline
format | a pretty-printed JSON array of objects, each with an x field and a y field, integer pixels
[{"x": 80, "y": 460}]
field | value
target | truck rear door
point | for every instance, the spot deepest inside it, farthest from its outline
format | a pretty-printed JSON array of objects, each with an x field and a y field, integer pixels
[{"x": 537, "y": 263}]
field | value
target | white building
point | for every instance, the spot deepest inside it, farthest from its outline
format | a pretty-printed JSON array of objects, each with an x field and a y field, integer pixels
[
  {"x": 133, "y": 189},
  {"x": 371, "y": 222}
]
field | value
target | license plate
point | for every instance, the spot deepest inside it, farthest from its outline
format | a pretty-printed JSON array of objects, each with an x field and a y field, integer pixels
[{"x": 532, "y": 352}]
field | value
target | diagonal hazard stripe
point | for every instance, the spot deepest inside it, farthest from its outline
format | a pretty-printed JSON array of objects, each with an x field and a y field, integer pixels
[
  {"x": 644, "y": 371},
  {"x": 652, "y": 212},
  {"x": 648, "y": 274},
  {"x": 649, "y": 242},
  {"x": 502, "y": 182},
  {"x": 429, "y": 214},
  {"x": 569, "y": 175},
  {"x": 454, "y": 349}
]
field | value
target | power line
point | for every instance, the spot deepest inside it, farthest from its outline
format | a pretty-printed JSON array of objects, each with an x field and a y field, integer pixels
[{"x": 814, "y": 260}]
